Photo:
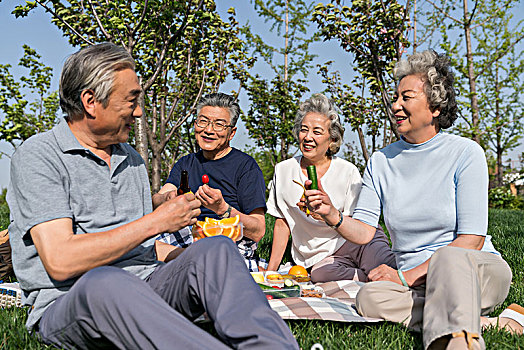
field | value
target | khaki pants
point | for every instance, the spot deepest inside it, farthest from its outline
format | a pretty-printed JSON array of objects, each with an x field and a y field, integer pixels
[{"x": 461, "y": 285}]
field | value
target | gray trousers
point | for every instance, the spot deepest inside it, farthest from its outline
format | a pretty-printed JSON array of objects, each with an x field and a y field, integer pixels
[
  {"x": 110, "y": 308},
  {"x": 461, "y": 285},
  {"x": 354, "y": 261}
]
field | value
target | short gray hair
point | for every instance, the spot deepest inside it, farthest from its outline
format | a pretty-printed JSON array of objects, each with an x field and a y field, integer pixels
[
  {"x": 435, "y": 71},
  {"x": 219, "y": 99},
  {"x": 320, "y": 104},
  {"x": 92, "y": 68}
]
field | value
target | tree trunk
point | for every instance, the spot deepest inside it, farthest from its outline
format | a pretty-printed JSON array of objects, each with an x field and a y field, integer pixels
[
  {"x": 140, "y": 131},
  {"x": 156, "y": 170},
  {"x": 471, "y": 76},
  {"x": 498, "y": 132},
  {"x": 362, "y": 140}
]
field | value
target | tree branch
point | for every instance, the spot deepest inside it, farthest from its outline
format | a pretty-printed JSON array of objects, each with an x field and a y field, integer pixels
[
  {"x": 106, "y": 34},
  {"x": 498, "y": 56},
  {"x": 444, "y": 13},
  {"x": 64, "y": 22},
  {"x": 172, "y": 39}
]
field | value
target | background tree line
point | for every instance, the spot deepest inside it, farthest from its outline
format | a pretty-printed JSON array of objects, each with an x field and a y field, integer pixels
[{"x": 185, "y": 49}]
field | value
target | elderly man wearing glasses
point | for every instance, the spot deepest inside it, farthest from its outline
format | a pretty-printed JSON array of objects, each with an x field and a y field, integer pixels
[{"x": 236, "y": 184}]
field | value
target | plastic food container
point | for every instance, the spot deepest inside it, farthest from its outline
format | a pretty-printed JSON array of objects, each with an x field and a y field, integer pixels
[
  {"x": 312, "y": 291},
  {"x": 290, "y": 292},
  {"x": 209, "y": 229}
]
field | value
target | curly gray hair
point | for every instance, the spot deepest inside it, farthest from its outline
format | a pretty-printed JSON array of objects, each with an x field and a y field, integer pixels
[
  {"x": 320, "y": 104},
  {"x": 435, "y": 71},
  {"x": 91, "y": 68}
]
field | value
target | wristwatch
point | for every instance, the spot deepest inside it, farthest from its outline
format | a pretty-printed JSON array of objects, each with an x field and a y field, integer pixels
[
  {"x": 227, "y": 213},
  {"x": 337, "y": 225}
]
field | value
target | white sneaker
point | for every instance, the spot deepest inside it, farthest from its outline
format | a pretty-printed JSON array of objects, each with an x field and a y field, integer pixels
[{"x": 10, "y": 295}]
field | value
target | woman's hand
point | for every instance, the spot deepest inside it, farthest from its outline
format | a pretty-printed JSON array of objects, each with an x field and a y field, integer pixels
[
  {"x": 318, "y": 202},
  {"x": 384, "y": 273}
]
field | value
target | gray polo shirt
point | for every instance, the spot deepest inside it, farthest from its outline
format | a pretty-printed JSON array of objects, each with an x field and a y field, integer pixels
[{"x": 53, "y": 176}]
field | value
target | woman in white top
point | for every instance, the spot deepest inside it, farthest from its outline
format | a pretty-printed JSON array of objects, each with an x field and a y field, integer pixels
[{"x": 315, "y": 244}]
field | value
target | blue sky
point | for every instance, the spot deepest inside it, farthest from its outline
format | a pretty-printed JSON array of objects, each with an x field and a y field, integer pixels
[{"x": 37, "y": 31}]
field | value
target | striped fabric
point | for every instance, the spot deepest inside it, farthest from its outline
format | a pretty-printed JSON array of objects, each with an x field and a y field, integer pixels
[{"x": 338, "y": 305}]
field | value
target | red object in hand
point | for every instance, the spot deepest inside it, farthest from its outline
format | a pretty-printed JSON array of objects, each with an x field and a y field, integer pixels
[{"x": 205, "y": 179}]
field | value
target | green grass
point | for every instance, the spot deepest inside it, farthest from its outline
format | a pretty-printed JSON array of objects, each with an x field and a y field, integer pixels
[{"x": 505, "y": 226}]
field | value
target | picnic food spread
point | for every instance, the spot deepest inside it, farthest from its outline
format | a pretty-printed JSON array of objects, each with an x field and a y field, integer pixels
[
  {"x": 229, "y": 227},
  {"x": 278, "y": 286}
]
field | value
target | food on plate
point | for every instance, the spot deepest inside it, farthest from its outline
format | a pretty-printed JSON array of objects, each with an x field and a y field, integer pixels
[
  {"x": 212, "y": 229},
  {"x": 258, "y": 277},
  {"x": 303, "y": 279},
  {"x": 311, "y": 293},
  {"x": 275, "y": 277},
  {"x": 229, "y": 227},
  {"x": 298, "y": 271}
]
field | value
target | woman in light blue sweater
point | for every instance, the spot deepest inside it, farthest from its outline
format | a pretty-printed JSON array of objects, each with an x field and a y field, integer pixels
[{"x": 432, "y": 189}]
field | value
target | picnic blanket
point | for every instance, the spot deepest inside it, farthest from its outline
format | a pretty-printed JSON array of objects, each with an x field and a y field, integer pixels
[{"x": 338, "y": 305}]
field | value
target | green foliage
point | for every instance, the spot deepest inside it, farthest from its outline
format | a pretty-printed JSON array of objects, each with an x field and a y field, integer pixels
[
  {"x": 22, "y": 118},
  {"x": 264, "y": 161},
  {"x": 274, "y": 102},
  {"x": 374, "y": 34},
  {"x": 502, "y": 198},
  {"x": 182, "y": 49},
  {"x": 483, "y": 45}
]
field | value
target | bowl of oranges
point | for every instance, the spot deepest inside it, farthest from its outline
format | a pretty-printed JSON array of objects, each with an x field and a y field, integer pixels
[{"x": 229, "y": 227}]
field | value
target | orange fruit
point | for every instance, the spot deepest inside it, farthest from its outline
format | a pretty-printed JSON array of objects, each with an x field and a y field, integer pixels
[
  {"x": 212, "y": 229},
  {"x": 200, "y": 223},
  {"x": 211, "y": 221},
  {"x": 298, "y": 270},
  {"x": 228, "y": 231},
  {"x": 232, "y": 221}
]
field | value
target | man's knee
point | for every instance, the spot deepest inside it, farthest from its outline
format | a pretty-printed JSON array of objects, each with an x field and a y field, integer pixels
[{"x": 102, "y": 282}]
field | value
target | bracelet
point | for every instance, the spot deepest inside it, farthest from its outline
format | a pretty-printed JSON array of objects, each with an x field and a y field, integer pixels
[
  {"x": 337, "y": 225},
  {"x": 227, "y": 213},
  {"x": 402, "y": 279}
]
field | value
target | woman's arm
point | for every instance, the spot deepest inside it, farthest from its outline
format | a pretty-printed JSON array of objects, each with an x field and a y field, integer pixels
[
  {"x": 281, "y": 234},
  {"x": 353, "y": 230},
  {"x": 417, "y": 275}
]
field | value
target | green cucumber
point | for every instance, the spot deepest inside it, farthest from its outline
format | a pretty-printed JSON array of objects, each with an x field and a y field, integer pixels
[{"x": 312, "y": 175}]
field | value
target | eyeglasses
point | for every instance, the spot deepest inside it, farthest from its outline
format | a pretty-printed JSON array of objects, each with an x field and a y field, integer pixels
[{"x": 217, "y": 125}]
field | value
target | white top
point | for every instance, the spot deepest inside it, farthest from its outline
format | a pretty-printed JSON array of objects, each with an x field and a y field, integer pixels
[
  {"x": 429, "y": 193},
  {"x": 312, "y": 240}
]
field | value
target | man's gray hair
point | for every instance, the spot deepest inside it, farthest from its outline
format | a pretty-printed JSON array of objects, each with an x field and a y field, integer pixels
[
  {"x": 435, "y": 71},
  {"x": 219, "y": 99},
  {"x": 320, "y": 104},
  {"x": 91, "y": 68}
]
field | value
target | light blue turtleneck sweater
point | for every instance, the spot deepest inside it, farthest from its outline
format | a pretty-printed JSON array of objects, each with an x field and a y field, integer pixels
[{"x": 429, "y": 193}]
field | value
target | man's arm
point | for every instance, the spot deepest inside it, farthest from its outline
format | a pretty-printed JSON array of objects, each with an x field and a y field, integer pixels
[
  {"x": 166, "y": 252},
  {"x": 168, "y": 191},
  {"x": 66, "y": 255}
]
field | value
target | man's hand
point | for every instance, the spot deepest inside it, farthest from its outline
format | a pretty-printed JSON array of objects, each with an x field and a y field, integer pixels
[
  {"x": 177, "y": 212},
  {"x": 384, "y": 273},
  {"x": 212, "y": 199}
]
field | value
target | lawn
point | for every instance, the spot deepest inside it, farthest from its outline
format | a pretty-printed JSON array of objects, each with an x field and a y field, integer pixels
[{"x": 506, "y": 227}]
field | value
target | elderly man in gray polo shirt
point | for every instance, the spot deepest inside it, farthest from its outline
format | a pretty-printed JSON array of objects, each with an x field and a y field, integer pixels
[{"x": 82, "y": 233}]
